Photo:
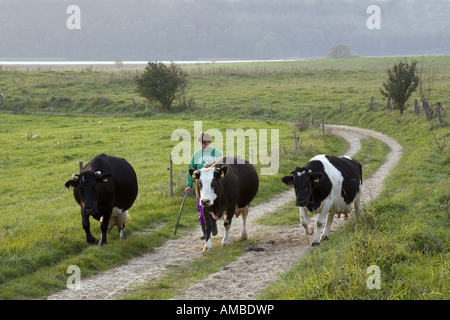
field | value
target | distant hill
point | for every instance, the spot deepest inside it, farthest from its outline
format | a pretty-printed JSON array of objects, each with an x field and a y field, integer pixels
[{"x": 219, "y": 29}]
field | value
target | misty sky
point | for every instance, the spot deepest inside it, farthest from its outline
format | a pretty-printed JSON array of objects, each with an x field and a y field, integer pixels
[{"x": 219, "y": 29}]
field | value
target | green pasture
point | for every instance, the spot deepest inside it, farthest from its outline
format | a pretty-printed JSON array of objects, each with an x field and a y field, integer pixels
[{"x": 49, "y": 121}]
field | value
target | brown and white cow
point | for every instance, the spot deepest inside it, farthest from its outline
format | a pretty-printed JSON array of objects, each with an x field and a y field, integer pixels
[
  {"x": 327, "y": 185},
  {"x": 225, "y": 186}
]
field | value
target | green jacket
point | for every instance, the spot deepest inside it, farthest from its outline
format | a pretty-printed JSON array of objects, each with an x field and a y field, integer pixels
[{"x": 200, "y": 158}]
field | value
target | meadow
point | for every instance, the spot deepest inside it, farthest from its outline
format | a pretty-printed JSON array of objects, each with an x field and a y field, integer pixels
[{"x": 51, "y": 120}]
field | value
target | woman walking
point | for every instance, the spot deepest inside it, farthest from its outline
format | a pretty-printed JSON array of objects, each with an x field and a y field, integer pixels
[{"x": 201, "y": 157}]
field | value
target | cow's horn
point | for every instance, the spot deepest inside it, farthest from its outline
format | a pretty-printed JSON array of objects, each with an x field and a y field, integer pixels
[
  {"x": 98, "y": 173},
  {"x": 75, "y": 176}
]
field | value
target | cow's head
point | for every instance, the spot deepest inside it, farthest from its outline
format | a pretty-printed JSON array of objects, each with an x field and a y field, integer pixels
[
  {"x": 304, "y": 180},
  {"x": 86, "y": 184},
  {"x": 207, "y": 183}
]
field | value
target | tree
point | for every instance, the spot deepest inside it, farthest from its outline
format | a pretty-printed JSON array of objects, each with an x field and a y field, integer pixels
[
  {"x": 401, "y": 83},
  {"x": 162, "y": 83},
  {"x": 340, "y": 51}
]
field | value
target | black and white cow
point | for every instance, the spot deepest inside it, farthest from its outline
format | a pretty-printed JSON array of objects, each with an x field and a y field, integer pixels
[
  {"x": 328, "y": 185},
  {"x": 105, "y": 189},
  {"x": 225, "y": 186}
]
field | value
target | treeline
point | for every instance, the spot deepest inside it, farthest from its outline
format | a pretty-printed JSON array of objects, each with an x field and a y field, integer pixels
[{"x": 219, "y": 29}]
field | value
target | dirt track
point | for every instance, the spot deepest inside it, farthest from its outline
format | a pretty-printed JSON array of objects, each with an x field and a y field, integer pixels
[{"x": 278, "y": 248}]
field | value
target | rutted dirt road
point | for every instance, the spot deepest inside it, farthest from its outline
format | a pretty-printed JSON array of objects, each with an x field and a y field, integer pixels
[{"x": 278, "y": 247}]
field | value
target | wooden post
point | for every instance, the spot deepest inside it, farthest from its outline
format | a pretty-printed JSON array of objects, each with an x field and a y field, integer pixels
[
  {"x": 171, "y": 176},
  {"x": 1, "y": 98},
  {"x": 388, "y": 106},
  {"x": 371, "y": 103},
  {"x": 295, "y": 140},
  {"x": 81, "y": 165},
  {"x": 438, "y": 113}
]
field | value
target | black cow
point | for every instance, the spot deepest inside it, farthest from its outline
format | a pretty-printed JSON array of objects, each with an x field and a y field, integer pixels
[
  {"x": 105, "y": 189},
  {"x": 328, "y": 185},
  {"x": 226, "y": 186}
]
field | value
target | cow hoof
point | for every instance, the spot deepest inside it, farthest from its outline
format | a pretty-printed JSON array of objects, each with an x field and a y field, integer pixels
[
  {"x": 315, "y": 244},
  {"x": 207, "y": 246},
  {"x": 92, "y": 241}
]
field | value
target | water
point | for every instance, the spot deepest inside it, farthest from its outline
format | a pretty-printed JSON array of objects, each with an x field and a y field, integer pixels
[{"x": 63, "y": 62}]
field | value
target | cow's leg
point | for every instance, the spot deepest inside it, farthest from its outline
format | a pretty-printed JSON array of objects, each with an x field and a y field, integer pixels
[
  {"x": 208, "y": 224},
  {"x": 304, "y": 221},
  {"x": 227, "y": 225},
  {"x": 326, "y": 232},
  {"x": 320, "y": 222},
  {"x": 122, "y": 233},
  {"x": 244, "y": 234},
  {"x": 121, "y": 226},
  {"x": 104, "y": 228},
  {"x": 87, "y": 229}
]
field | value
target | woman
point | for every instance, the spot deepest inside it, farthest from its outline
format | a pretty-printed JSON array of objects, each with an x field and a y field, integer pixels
[{"x": 201, "y": 157}]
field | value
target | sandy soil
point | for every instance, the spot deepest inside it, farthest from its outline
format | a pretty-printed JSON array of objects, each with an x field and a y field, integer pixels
[{"x": 277, "y": 250}]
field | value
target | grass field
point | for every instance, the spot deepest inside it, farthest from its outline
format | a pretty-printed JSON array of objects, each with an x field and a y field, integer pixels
[
  {"x": 40, "y": 225},
  {"x": 45, "y": 131}
]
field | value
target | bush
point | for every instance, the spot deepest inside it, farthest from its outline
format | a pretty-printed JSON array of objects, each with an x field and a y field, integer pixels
[
  {"x": 162, "y": 83},
  {"x": 401, "y": 83}
]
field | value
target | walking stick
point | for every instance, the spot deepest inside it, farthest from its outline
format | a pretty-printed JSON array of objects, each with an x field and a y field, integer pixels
[{"x": 179, "y": 214}]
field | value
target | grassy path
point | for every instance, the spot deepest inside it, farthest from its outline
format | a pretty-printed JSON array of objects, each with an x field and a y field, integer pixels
[{"x": 275, "y": 250}]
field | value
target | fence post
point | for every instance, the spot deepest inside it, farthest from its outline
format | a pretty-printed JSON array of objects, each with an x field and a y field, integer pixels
[
  {"x": 1, "y": 98},
  {"x": 371, "y": 103},
  {"x": 81, "y": 165},
  {"x": 171, "y": 176},
  {"x": 438, "y": 113},
  {"x": 388, "y": 106},
  {"x": 295, "y": 140}
]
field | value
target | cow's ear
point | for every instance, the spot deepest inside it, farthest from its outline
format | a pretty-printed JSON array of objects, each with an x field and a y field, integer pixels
[
  {"x": 220, "y": 172},
  {"x": 106, "y": 177},
  {"x": 195, "y": 174},
  {"x": 316, "y": 176},
  {"x": 288, "y": 180},
  {"x": 71, "y": 183}
]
